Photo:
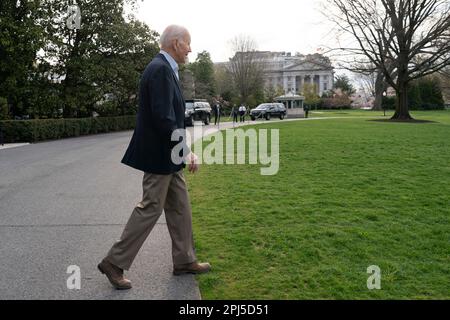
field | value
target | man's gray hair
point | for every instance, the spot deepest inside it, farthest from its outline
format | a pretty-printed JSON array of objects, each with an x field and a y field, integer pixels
[{"x": 172, "y": 32}]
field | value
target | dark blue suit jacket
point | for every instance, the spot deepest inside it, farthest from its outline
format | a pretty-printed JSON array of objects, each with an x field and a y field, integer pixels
[{"x": 161, "y": 111}]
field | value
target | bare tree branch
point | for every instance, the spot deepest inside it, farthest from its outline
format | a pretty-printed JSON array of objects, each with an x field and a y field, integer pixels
[
  {"x": 246, "y": 67},
  {"x": 404, "y": 39}
]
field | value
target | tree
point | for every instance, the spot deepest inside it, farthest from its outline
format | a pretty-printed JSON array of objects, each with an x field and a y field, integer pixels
[
  {"x": 203, "y": 70},
  {"x": 187, "y": 82},
  {"x": 425, "y": 94},
  {"x": 405, "y": 39},
  {"x": 311, "y": 97},
  {"x": 47, "y": 68},
  {"x": 343, "y": 82},
  {"x": 20, "y": 40},
  {"x": 105, "y": 56},
  {"x": 444, "y": 79},
  {"x": 372, "y": 83},
  {"x": 272, "y": 92},
  {"x": 414, "y": 98},
  {"x": 246, "y": 68},
  {"x": 4, "y": 112},
  {"x": 380, "y": 88},
  {"x": 337, "y": 99},
  {"x": 431, "y": 93},
  {"x": 117, "y": 69},
  {"x": 224, "y": 83}
]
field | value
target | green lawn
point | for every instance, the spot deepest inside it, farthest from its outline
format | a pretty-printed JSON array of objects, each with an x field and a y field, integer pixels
[
  {"x": 442, "y": 115},
  {"x": 350, "y": 193}
]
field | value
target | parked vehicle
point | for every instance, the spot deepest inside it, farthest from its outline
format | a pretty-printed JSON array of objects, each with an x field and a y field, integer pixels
[
  {"x": 268, "y": 110},
  {"x": 197, "y": 110}
]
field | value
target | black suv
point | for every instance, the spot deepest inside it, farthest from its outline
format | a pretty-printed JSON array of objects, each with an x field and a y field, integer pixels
[
  {"x": 268, "y": 110},
  {"x": 197, "y": 110}
]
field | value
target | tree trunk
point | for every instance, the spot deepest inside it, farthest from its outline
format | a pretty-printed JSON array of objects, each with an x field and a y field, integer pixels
[
  {"x": 379, "y": 89},
  {"x": 401, "y": 107}
]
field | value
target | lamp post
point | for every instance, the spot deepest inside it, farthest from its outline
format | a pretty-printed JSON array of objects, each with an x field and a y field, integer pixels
[{"x": 384, "y": 104}]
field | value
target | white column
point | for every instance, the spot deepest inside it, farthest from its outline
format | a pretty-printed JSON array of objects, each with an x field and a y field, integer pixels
[
  {"x": 330, "y": 81},
  {"x": 320, "y": 85},
  {"x": 285, "y": 84},
  {"x": 303, "y": 83},
  {"x": 294, "y": 84}
]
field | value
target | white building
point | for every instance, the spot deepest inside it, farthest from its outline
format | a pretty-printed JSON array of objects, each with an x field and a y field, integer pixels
[{"x": 282, "y": 70}]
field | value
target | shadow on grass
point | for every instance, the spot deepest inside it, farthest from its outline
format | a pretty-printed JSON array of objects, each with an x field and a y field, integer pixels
[{"x": 403, "y": 121}]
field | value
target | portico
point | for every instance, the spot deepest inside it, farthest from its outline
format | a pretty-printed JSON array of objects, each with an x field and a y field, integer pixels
[
  {"x": 295, "y": 81},
  {"x": 291, "y": 73}
]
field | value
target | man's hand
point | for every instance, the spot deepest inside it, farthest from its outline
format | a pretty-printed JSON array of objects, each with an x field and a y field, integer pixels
[{"x": 193, "y": 162}]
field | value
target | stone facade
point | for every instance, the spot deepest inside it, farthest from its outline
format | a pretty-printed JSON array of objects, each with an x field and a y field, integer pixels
[{"x": 291, "y": 72}]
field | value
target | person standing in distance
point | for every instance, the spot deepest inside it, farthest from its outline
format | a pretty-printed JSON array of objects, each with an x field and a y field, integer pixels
[
  {"x": 161, "y": 112},
  {"x": 242, "y": 110},
  {"x": 216, "y": 113},
  {"x": 234, "y": 114}
]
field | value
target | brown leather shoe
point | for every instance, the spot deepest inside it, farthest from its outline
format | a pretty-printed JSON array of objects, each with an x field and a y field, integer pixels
[
  {"x": 114, "y": 274},
  {"x": 194, "y": 267}
]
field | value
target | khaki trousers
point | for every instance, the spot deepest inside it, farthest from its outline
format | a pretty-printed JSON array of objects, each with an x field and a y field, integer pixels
[{"x": 168, "y": 192}]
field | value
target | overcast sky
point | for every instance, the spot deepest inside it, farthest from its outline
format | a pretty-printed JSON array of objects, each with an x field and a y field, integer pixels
[{"x": 275, "y": 25}]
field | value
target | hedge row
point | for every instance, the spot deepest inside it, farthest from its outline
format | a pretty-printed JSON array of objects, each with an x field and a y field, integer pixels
[{"x": 48, "y": 129}]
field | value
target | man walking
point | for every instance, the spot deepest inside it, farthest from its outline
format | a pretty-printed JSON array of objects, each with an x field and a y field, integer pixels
[{"x": 161, "y": 112}]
